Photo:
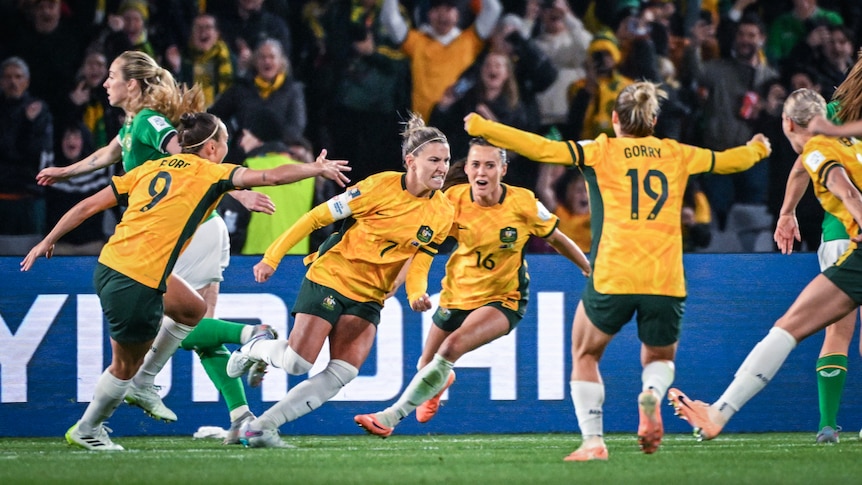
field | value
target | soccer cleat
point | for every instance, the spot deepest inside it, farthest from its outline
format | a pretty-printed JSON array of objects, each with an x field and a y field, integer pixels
[
  {"x": 256, "y": 373},
  {"x": 650, "y": 430},
  {"x": 369, "y": 423},
  {"x": 98, "y": 441},
  {"x": 828, "y": 435},
  {"x": 429, "y": 408},
  {"x": 265, "y": 438},
  {"x": 589, "y": 454},
  {"x": 696, "y": 413},
  {"x": 148, "y": 399},
  {"x": 232, "y": 437},
  {"x": 240, "y": 362}
]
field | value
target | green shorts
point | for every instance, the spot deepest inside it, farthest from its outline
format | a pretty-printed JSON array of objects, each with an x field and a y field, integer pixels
[
  {"x": 451, "y": 319},
  {"x": 659, "y": 317},
  {"x": 847, "y": 275},
  {"x": 328, "y": 304},
  {"x": 133, "y": 310}
]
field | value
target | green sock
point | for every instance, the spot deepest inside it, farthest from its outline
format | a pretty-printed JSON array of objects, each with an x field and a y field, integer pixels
[
  {"x": 214, "y": 360},
  {"x": 831, "y": 373},
  {"x": 212, "y": 332}
]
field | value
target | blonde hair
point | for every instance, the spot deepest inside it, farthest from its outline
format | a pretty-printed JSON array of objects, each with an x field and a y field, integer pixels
[
  {"x": 159, "y": 90},
  {"x": 638, "y": 106},
  {"x": 416, "y": 135},
  {"x": 804, "y": 104},
  {"x": 849, "y": 93}
]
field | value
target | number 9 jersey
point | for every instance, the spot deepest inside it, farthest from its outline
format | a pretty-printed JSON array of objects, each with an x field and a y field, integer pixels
[{"x": 167, "y": 200}]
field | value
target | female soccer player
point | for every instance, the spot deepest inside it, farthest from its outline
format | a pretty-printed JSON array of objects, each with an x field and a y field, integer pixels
[
  {"x": 388, "y": 218},
  {"x": 636, "y": 184},
  {"x": 831, "y": 367},
  {"x": 832, "y": 164},
  {"x": 153, "y": 103},
  {"x": 485, "y": 290},
  {"x": 167, "y": 199}
]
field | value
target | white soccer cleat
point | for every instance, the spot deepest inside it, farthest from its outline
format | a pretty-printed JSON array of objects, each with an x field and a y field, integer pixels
[
  {"x": 264, "y": 438},
  {"x": 232, "y": 437},
  {"x": 98, "y": 441},
  {"x": 240, "y": 362},
  {"x": 148, "y": 399}
]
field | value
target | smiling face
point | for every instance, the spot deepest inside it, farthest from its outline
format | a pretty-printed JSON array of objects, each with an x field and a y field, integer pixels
[
  {"x": 485, "y": 170},
  {"x": 443, "y": 18},
  {"x": 427, "y": 168},
  {"x": 204, "y": 33}
]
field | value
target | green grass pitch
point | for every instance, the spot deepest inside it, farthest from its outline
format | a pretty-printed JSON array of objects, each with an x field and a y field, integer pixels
[{"x": 780, "y": 458}]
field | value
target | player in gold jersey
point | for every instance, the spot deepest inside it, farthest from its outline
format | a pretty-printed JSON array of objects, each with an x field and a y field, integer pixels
[
  {"x": 388, "y": 218},
  {"x": 485, "y": 289},
  {"x": 833, "y": 165},
  {"x": 167, "y": 200},
  {"x": 636, "y": 184}
]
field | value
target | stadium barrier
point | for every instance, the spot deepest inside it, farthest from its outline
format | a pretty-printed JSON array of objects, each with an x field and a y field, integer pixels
[{"x": 53, "y": 347}]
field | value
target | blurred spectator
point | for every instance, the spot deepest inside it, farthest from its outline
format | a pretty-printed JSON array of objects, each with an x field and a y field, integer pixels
[
  {"x": 87, "y": 239},
  {"x": 128, "y": 30},
  {"x": 563, "y": 191},
  {"x": 206, "y": 60},
  {"x": 52, "y": 47},
  {"x": 439, "y": 51},
  {"x": 792, "y": 27},
  {"x": 594, "y": 97},
  {"x": 837, "y": 59},
  {"x": 728, "y": 89},
  {"x": 26, "y": 145},
  {"x": 261, "y": 141},
  {"x": 360, "y": 74},
  {"x": 247, "y": 25},
  {"x": 271, "y": 85},
  {"x": 696, "y": 218},
  {"x": 494, "y": 95},
  {"x": 88, "y": 101},
  {"x": 563, "y": 38}
]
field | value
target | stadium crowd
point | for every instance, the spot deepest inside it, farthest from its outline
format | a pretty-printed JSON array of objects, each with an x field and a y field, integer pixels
[{"x": 343, "y": 74}]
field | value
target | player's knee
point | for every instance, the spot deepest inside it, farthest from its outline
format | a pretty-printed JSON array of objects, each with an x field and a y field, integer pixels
[
  {"x": 342, "y": 371},
  {"x": 294, "y": 364}
]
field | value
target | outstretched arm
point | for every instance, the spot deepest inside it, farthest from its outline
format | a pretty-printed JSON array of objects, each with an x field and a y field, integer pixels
[
  {"x": 787, "y": 227},
  {"x": 742, "y": 158},
  {"x": 570, "y": 250},
  {"x": 101, "y": 158},
  {"x": 288, "y": 173},
  {"x": 528, "y": 144},
  {"x": 821, "y": 126},
  {"x": 101, "y": 200}
]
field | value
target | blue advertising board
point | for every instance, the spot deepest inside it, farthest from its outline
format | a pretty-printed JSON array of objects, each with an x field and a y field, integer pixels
[{"x": 54, "y": 346}]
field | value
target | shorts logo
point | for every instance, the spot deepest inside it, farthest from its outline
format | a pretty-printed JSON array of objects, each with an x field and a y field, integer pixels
[
  {"x": 328, "y": 303},
  {"x": 424, "y": 234},
  {"x": 443, "y": 313}
]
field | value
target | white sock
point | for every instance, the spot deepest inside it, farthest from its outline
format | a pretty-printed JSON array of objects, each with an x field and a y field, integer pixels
[
  {"x": 238, "y": 412},
  {"x": 165, "y": 345},
  {"x": 270, "y": 351},
  {"x": 588, "y": 398},
  {"x": 309, "y": 395},
  {"x": 658, "y": 376},
  {"x": 246, "y": 333},
  {"x": 424, "y": 385},
  {"x": 109, "y": 393},
  {"x": 756, "y": 371}
]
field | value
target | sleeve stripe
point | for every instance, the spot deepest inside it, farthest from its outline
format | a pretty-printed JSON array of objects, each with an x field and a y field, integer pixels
[
  {"x": 823, "y": 173},
  {"x": 577, "y": 154},
  {"x": 428, "y": 251},
  {"x": 712, "y": 161}
]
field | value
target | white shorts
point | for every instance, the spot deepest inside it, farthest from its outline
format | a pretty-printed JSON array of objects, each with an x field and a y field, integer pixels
[
  {"x": 206, "y": 256},
  {"x": 830, "y": 251}
]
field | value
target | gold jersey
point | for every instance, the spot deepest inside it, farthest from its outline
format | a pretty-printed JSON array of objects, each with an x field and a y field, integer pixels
[
  {"x": 636, "y": 188},
  {"x": 488, "y": 263},
  {"x": 166, "y": 200},
  {"x": 386, "y": 226},
  {"x": 820, "y": 155}
]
